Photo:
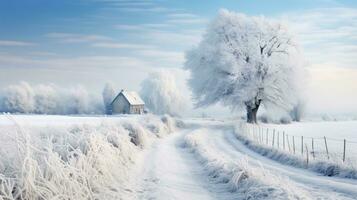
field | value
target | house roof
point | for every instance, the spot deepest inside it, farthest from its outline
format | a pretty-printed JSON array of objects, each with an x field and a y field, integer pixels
[{"x": 132, "y": 97}]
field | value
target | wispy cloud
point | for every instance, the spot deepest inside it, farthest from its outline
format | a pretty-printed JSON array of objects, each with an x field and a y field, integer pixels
[
  {"x": 116, "y": 45},
  {"x": 328, "y": 35},
  {"x": 73, "y": 63},
  {"x": 77, "y": 38},
  {"x": 144, "y": 9},
  {"x": 15, "y": 43},
  {"x": 185, "y": 18},
  {"x": 134, "y": 27}
]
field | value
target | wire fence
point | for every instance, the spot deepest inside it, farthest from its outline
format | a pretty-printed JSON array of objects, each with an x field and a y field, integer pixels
[{"x": 321, "y": 148}]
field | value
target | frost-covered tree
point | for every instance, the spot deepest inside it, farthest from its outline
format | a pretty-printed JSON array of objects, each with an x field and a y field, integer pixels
[
  {"x": 78, "y": 101},
  {"x": 49, "y": 99},
  {"x": 161, "y": 95},
  {"x": 108, "y": 96},
  {"x": 18, "y": 98},
  {"x": 46, "y": 99},
  {"x": 244, "y": 62}
]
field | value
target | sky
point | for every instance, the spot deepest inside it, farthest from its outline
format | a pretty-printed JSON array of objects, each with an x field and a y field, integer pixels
[{"x": 91, "y": 42}]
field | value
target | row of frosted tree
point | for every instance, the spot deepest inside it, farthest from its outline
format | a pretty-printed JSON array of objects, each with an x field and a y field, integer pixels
[{"x": 159, "y": 92}]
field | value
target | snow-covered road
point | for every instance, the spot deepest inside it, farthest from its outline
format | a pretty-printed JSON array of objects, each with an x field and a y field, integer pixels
[{"x": 171, "y": 171}]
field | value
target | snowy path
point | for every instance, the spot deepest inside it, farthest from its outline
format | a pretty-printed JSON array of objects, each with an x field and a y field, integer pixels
[{"x": 170, "y": 171}]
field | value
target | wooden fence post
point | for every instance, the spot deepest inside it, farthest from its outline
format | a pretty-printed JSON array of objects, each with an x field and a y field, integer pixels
[
  {"x": 267, "y": 136},
  {"x": 294, "y": 143},
  {"x": 273, "y": 137},
  {"x": 307, "y": 155},
  {"x": 284, "y": 140},
  {"x": 261, "y": 136},
  {"x": 312, "y": 147},
  {"x": 287, "y": 139},
  {"x": 328, "y": 156},
  {"x": 302, "y": 145},
  {"x": 278, "y": 139},
  {"x": 344, "y": 150}
]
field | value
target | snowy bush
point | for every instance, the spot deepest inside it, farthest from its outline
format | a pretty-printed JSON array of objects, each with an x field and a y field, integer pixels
[
  {"x": 298, "y": 111},
  {"x": 246, "y": 181},
  {"x": 161, "y": 95},
  {"x": 137, "y": 134},
  {"x": 83, "y": 161}
]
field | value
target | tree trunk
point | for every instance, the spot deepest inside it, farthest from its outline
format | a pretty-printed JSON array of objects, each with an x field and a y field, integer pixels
[{"x": 252, "y": 112}]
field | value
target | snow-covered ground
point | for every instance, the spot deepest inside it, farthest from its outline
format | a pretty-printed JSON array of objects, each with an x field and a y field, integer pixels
[
  {"x": 334, "y": 131},
  {"x": 135, "y": 157}
]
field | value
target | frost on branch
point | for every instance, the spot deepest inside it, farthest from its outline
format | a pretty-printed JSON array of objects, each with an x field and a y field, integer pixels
[{"x": 245, "y": 62}]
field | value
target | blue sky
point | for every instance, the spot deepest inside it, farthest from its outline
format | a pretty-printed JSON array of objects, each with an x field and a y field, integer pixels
[{"x": 89, "y": 42}]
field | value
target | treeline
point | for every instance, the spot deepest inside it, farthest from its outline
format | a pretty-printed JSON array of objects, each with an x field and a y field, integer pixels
[{"x": 49, "y": 99}]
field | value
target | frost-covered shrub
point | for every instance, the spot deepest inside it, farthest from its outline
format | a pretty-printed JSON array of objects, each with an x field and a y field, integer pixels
[
  {"x": 246, "y": 181},
  {"x": 137, "y": 133},
  {"x": 170, "y": 122},
  {"x": 83, "y": 161},
  {"x": 280, "y": 119}
]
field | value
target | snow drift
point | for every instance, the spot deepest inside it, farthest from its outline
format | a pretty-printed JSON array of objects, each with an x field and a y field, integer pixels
[
  {"x": 83, "y": 161},
  {"x": 248, "y": 182}
]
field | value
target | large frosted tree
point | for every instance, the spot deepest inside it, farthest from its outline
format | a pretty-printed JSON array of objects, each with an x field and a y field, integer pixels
[{"x": 244, "y": 62}]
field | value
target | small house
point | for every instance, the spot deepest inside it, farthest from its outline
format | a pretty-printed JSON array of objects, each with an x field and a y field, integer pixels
[{"x": 127, "y": 103}]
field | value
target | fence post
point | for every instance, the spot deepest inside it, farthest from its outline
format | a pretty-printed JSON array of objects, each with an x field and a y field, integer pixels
[
  {"x": 278, "y": 139},
  {"x": 287, "y": 139},
  {"x": 312, "y": 147},
  {"x": 294, "y": 143},
  {"x": 273, "y": 137},
  {"x": 267, "y": 136},
  {"x": 344, "y": 150},
  {"x": 260, "y": 135},
  {"x": 284, "y": 140},
  {"x": 302, "y": 145},
  {"x": 307, "y": 155},
  {"x": 328, "y": 156}
]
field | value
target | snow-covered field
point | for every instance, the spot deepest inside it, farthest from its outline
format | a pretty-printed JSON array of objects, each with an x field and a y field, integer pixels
[
  {"x": 334, "y": 131},
  {"x": 146, "y": 157}
]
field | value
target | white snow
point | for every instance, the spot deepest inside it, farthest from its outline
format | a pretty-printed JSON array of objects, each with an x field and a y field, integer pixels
[
  {"x": 135, "y": 157},
  {"x": 334, "y": 131}
]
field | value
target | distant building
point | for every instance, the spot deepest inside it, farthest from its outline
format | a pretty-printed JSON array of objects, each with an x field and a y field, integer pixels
[{"x": 127, "y": 103}]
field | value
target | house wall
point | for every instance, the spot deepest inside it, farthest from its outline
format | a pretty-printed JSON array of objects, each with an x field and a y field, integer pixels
[
  {"x": 121, "y": 105},
  {"x": 137, "y": 109}
]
